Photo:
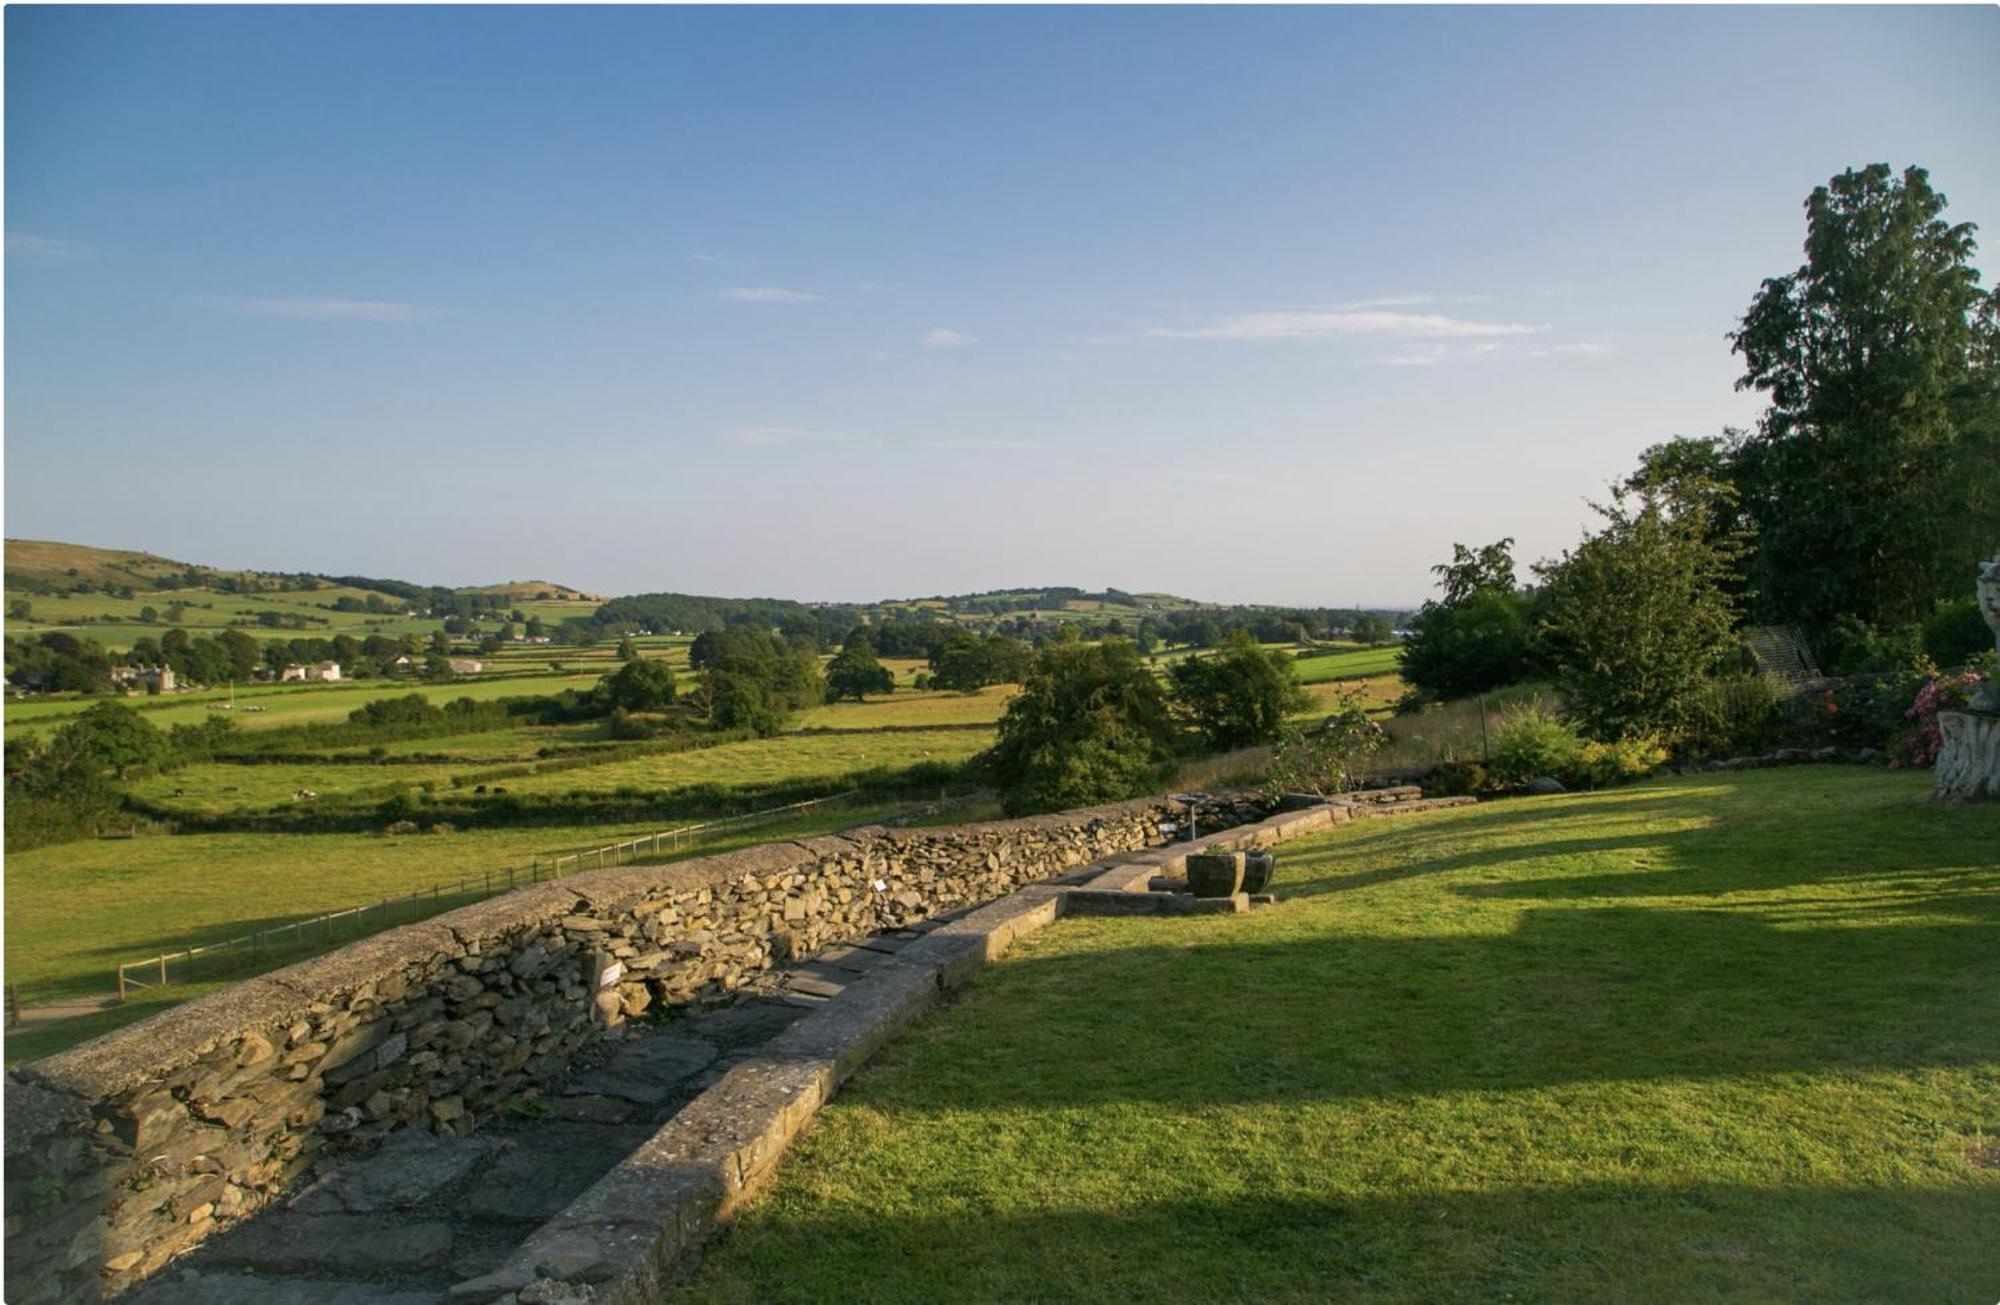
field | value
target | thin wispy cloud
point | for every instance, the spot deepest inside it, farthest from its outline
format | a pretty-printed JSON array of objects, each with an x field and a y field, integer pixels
[
  {"x": 768, "y": 436},
  {"x": 1216, "y": 477},
  {"x": 324, "y": 309},
  {"x": 943, "y": 337},
  {"x": 1584, "y": 348},
  {"x": 1333, "y": 323},
  {"x": 981, "y": 444},
  {"x": 1416, "y": 355},
  {"x": 23, "y": 244},
  {"x": 1386, "y": 301},
  {"x": 769, "y": 294}
]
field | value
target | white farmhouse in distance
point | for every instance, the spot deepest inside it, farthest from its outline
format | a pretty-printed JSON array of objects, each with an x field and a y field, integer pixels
[
  {"x": 465, "y": 666},
  {"x": 319, "y": 671}
]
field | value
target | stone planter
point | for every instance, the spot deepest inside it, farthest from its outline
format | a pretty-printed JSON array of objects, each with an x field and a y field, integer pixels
[
  {"x": 1258, "y": 867},
  {"x": 1215, "y": 874}
]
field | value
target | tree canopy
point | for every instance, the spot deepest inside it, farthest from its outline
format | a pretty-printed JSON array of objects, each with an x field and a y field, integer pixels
[
  {"x": 1239, "y": 695},
  {"x": 1091, "y": 724},
  {"x": 1873, "y": 480}
]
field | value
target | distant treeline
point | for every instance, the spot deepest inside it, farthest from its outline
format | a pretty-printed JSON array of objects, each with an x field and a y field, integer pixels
[{"x": 694, "y": 614}]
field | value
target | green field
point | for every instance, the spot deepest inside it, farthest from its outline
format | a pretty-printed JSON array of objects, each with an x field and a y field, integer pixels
[
  {"x": 298, "y": 704},
  {"x": 74, "y": 912},
  {"x": 788, "y": 757},
  {"x": 1352, "y": 663},
  {"x": 1709, "y": 1039},
  {"x": 911, "y": 707}
]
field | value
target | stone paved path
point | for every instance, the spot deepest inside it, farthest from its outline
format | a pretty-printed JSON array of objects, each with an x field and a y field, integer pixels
[{"x": 399, "y": 1224}]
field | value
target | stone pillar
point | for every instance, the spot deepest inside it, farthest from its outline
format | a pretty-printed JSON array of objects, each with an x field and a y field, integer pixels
[{"x": 1968, "y": 764}]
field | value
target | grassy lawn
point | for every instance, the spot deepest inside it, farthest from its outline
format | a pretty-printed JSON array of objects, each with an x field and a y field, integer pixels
[{"x": 1713, "y": 1038}]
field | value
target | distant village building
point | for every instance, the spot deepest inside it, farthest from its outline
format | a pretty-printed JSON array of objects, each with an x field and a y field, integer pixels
[
  {"x": 144, "y": 677},
  {"x": 465, "y": 666},
  {"x": 317, "y": 671}
]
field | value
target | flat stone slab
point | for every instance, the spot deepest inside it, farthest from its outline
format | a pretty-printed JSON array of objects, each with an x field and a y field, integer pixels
[
  {"x": 548, "y": 1167},
  {"x": 251, "y": 1289},
  {"x": 853, "y": 960},
  {"x": 406, "y": 1170},
  {"x": 812, "y": 985},
  {"x": 749, "y": 1024},
  {"x": 354, "y": 1245},
  {"x": 645, "y": 1070},
  {"x": 1097, "y": 901}
]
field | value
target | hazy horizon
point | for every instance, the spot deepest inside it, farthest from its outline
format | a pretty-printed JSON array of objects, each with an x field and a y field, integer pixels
[{"x": 1261, "y": 306}]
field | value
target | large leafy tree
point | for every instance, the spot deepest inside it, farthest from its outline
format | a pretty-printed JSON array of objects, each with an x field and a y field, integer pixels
[
  {"x": 1090, "y": 725},
  {"x": 1638, "y": 616},
  {"x": 1874, "y": 478},
  {"x": 855, "y": 673},
  {"x": 638, "y": 685},
  {"x": 114, "y": 737},
  {"x": 1239, "y": 695},
  {"x": 1475, "y": 637}
]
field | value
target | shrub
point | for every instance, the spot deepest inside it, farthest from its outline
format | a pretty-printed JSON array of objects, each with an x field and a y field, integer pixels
[
  {"x": 1942, "y": 693},
  {"x": 1734, "y": 715},
  {"x": 1854, "y": 647},
  {"x": 1858, "y": 712},
  {"x": 1455, "y": 778},
  {"x": 1324, "y": 759},
  {"x": 1533, "y": 741},
  {"x": 1955, "y": 632},
  {"x": 1600, "y": 765}
]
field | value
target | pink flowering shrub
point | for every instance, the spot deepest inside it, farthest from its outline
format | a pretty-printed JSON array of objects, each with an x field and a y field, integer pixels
[{"x": 1940, "y": 693}]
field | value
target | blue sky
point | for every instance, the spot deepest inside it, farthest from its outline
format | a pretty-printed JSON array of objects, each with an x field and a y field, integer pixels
[{"x": 1257, "y": 305}]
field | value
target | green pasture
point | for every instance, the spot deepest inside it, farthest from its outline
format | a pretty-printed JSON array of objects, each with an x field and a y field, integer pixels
[
  {"x": 75, "y": 911},
  {"x": 911, "y": 707},
  {"x": 210, "y": 788},
  {"x": 1349, "y": 663},
  {"x": 755, "y": 762},
  {"x": 297, "y": 704},
  {"x": 489, "y": 747},
  {"x": 1707, "y": 1039}
]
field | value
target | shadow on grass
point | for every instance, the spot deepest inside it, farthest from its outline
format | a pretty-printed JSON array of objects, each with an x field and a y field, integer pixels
[
  {"x": 1715, "y": 835},
  {"x": 1587, "y": 1243},
  {"x": 1570, "y": 995}
]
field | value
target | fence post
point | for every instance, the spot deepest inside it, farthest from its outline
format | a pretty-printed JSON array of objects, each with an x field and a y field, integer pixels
[
  {"x": 121, "y": 983},
  {"x": 163, "y": 969}
]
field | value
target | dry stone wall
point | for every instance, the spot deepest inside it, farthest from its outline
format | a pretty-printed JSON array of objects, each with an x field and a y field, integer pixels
[{"x": 129, "y": 1149}]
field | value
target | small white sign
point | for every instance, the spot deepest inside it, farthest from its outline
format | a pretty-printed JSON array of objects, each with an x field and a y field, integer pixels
[
  {"x": 1169, "y": 827},
  {"x": 612, "y": 974}
]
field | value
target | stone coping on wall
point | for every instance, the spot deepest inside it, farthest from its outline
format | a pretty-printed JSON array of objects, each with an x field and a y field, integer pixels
[{"x": 628, "y": 1238}]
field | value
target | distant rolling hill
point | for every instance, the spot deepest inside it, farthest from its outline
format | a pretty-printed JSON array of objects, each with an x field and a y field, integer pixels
[{"x": 534, "y": 591}]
